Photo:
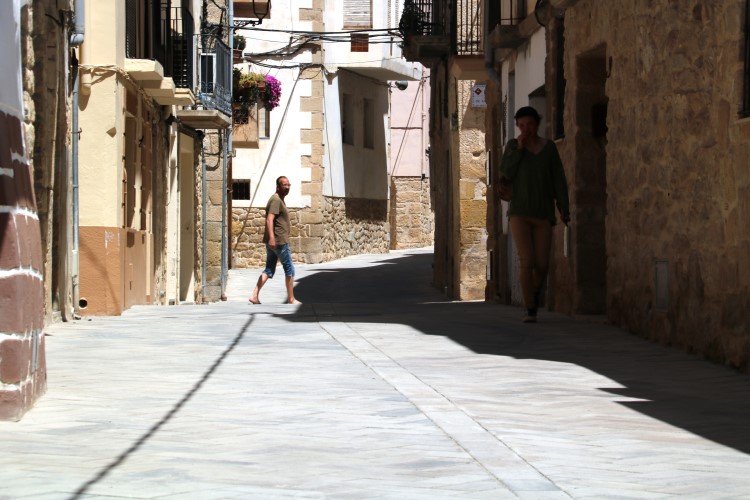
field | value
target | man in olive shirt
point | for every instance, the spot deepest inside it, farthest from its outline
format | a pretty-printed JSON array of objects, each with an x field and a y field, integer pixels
[{"x": 276, "y": 238}]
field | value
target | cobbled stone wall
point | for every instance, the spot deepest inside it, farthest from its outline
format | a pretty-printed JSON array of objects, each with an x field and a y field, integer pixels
[
  {"x": 345, "y": 227},
  {"x": 412, "y": 220},
  {"x": 355, "y": 226},
  {"x": 677, "y": 176}
]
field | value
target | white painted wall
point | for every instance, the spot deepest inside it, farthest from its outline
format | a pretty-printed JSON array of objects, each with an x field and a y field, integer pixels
[
  {"x": 280, "y": 153},
  {"x": 354, "y": 171},
  {"x": 529, "y": 74},
  {"x": 385, "y": 57}
]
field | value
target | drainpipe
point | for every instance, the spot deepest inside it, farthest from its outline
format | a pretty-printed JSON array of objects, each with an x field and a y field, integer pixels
[
  {"x": 203, "y": 225},
  {"x": 227, "y": 151},
  {"x": 76, "y": 39},
  {"x": 224, "y": 142}
]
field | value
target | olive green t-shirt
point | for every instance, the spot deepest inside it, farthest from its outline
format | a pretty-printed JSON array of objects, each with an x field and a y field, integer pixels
[
  {"x": 538, "y": 181},
  {"x": 277, "y": 207}
]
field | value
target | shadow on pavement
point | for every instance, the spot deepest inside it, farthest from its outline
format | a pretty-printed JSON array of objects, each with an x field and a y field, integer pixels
[{"x": 677, "y": 388}]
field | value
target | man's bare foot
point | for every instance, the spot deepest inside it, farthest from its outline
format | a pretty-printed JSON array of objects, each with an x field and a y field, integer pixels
[
  {"x": 295, "y": 302},
  {"x": 254, "y": 300}
]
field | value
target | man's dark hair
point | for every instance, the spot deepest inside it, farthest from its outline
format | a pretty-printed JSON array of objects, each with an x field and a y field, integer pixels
[
  {"x": 528, "y": 111},
  {"x": 278, "y": 180}
]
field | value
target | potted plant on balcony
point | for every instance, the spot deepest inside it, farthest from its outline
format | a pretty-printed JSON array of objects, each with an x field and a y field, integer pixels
[
  {"x": 245, "y": 94},
  {"x": 238, "y": 45},
  {"x": 252, "y": 88},
  {"x": 250, "y": 91}
]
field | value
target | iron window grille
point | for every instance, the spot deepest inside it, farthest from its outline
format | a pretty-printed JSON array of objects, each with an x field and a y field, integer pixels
[{"x": 241, "y": 189}]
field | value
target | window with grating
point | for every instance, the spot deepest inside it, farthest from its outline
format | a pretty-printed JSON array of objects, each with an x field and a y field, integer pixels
[{"x": 241, "y": 189}]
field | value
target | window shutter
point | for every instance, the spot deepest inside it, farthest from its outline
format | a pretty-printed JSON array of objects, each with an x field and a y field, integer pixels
[{"x": 357, "y": 14}]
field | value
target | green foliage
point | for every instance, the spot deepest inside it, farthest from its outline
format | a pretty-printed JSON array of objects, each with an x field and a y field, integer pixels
[
  {"x": 238, "y": 42},
  {"x": 250, "y": 88}
]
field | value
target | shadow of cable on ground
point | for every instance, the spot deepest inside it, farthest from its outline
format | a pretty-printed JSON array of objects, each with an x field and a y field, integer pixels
[
  {"x": 168, "y": 416},
  {"x": 672, "y": 386}
]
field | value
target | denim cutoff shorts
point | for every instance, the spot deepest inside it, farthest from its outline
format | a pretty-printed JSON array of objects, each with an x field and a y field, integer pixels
[{"x": 274, "y": 255}]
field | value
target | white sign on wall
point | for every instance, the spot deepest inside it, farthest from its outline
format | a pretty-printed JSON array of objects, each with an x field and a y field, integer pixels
[{"x": 477, "y": 96}]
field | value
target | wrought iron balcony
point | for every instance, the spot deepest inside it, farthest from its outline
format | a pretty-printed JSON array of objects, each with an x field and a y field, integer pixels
[
  {"x": 433, "y": 28},
  {"x": 183, "y": 48},
  {"x": 214, "y": 88},
  {"x": 512, "y": 22},
  {"x": 422, "y": 29},
  {"x": 159, "y": 32}
]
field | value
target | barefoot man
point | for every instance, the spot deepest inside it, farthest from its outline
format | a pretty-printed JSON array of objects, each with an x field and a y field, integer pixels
[{"x": 276, "y": 238}]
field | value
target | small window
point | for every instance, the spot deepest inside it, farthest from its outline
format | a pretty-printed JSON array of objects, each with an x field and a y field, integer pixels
[
  {"x": 360, "y": 42},
  {"x": 368, "y": 124},
  {"x": 241, "y": 189}
]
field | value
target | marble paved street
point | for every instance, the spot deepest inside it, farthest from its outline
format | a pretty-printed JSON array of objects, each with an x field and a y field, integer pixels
[{"x": 374, "y": 388}]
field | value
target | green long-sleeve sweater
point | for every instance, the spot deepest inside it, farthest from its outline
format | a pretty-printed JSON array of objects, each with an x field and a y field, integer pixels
[{"x": 538, "y": 181}]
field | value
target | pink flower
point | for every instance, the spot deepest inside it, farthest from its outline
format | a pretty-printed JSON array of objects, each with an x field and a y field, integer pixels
[{"x": 272, "y": 93}]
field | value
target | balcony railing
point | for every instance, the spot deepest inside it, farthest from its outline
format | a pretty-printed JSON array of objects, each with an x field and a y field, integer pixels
[
  {"x": 420, "y": 18},
  {"x": 155, "y": 30},
  {"x": 512, "y": 11},
  {"x": 467, "y": 37},
  {"x": 183, "y": 48},
  {"x": 216, "y": 75},
  {"x": 427, "y": 18}
]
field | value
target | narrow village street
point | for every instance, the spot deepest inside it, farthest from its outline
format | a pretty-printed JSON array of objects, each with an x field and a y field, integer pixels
[{"x": 375, "y": 387}]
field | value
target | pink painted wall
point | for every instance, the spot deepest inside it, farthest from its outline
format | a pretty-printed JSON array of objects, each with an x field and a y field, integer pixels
[{"x": 410, "y": 109}]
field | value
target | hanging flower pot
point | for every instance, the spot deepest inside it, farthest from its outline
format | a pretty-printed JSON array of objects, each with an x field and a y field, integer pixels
[
  {"x": 251, "y": 88},
  {"x": 250, "y": 91}
]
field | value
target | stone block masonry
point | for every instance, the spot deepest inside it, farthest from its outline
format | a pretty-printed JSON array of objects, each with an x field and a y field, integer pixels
[
  {"x": 670, "y": 173},
  {"x": 411, "y": 220},
  {"x": 345, "y": 227},
  {"x": 23, "y": 375}
]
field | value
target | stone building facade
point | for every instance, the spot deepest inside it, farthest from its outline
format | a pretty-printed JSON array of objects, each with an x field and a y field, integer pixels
[
  {"x": 648, "y": 103},
  {"x": 656, "y": 146},
  {"x": 338, "y": 202},
  {"x": 411, "y": 217},
  {"x": 451, "y": 46},
  {"x": 412, "y": 223},
  {"x": 23, "y": 254}
]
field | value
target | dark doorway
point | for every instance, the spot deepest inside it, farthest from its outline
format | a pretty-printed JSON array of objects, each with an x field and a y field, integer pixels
[{"x": 590, "y": 183}]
